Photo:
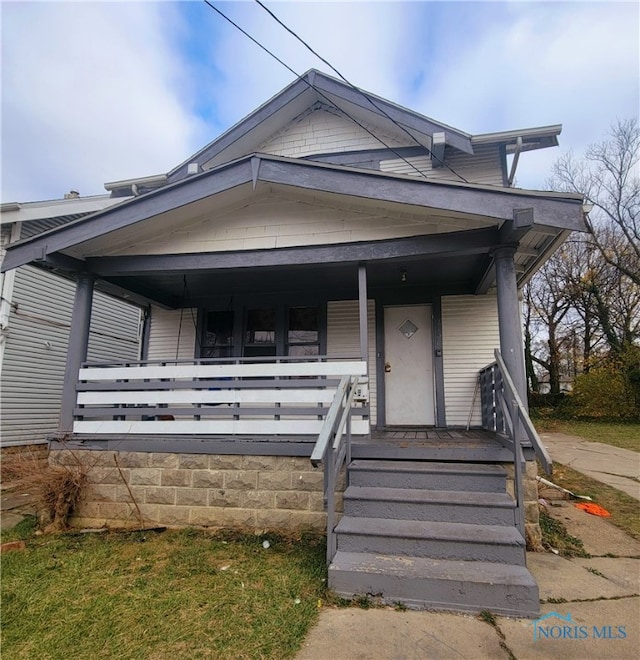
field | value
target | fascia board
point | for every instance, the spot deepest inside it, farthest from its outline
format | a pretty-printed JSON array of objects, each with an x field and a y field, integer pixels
[
  {"x": 408, "y": 118},
  {"x": 263, "y": 113},
  {"x": 26, "y": 211},
  {"x": 558, "y": 210}
]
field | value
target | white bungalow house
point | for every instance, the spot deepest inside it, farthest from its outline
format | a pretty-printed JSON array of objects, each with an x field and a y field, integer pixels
[
  {"x": 333, "y": 281},
  {"x": 35, "y": 318}
]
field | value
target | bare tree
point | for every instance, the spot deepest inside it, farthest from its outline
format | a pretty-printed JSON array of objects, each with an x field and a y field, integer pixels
[
  {"x": 608, "y": 178},
  {"x": 584, "y": 304}
]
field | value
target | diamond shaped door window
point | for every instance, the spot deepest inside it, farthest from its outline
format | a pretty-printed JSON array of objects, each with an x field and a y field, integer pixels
[{"x": 408, "y": 329}]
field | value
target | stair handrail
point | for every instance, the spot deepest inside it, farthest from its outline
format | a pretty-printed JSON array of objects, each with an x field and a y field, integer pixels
[
  {"x": 332, "y": 449},
  {"x": 501, "y": 404},
  {"x": 522, "y": 415}
]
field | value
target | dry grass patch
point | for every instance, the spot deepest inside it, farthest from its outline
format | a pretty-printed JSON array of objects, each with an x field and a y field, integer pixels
[
  {"x": 623, "y": 435},
  {"x": 624, "y": 509},
  {"x": 178, "y": 594}
]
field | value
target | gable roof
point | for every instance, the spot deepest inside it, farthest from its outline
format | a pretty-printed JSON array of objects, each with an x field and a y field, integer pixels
[
  {"x": 316, "y": 89},
  {"x": 310, "y": 89}
]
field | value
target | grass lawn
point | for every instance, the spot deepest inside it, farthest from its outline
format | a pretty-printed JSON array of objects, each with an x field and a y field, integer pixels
[
  {"x": 624, "y": 509},
  {"x": 625, "y": 435},
  {"x": 176, "y": 594}
]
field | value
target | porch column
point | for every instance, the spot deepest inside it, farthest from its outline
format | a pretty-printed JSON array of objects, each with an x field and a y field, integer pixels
[
  {"x": 77, "y": 351},
  {"x": 362, "y": 308},
  {"x": 509, "y": 320}
]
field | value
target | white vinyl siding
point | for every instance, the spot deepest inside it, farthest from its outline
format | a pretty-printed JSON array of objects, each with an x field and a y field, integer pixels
[
  {"x": 36, "y": 348},
  {"x": 321, "y": 132},
  {"x": 469, "y": 337},
  {"x": 278, "y": 222},
  {"x": 166, "y": 327},
  {"x": 484, "y": 166},
  {"x": 343, "y": 338}
]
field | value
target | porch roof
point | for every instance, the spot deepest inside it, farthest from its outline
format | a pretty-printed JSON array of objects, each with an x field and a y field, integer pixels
[{"x": 536, "y": 221}]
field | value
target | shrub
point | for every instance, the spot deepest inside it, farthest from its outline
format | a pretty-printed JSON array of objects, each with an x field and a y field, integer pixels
[{"x": 610, "y": 391}]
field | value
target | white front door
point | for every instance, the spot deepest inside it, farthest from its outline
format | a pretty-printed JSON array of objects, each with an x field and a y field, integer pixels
[{"x": 408, "y": 366}]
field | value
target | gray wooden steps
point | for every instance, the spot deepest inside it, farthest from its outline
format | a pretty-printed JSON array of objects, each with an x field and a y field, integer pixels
[
  {"x": 437, "y": 505},
  {"x": 427, "y": 474},
  {"x": 440, "y": 540},
  {"x": 436, "y": 583},
  {"x": 437, "y": 535}
]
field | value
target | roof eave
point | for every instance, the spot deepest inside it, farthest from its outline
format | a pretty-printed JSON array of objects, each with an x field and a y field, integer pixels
[{"x": 559, "y": 210}]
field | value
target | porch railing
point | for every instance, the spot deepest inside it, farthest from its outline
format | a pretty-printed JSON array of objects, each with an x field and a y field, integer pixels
[
  {"x": 252, "y": 396},
  {"x": 333, "y": 449},
  {"x": 504, "y": 413}
]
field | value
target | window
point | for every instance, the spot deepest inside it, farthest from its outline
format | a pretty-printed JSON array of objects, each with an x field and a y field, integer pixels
[
  {"x": 260, "y": 333},
  {"x": 303, "y": 337},
  {"x": 217, "y": 341}
]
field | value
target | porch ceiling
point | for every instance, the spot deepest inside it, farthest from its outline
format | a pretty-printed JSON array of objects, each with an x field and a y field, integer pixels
[{"x": 434, "y": 274}]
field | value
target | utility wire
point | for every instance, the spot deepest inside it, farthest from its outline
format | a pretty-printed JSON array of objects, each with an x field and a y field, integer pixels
[
  {"x": 357, "y": 89},
  {"x": 324, "y": 96}
]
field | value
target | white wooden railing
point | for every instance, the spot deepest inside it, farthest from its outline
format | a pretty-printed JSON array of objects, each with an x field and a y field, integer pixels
[{"x": 256, "y": 396}]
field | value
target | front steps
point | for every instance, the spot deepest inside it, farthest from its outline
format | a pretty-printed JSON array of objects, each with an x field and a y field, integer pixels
[{"x": 432, "y": 536}]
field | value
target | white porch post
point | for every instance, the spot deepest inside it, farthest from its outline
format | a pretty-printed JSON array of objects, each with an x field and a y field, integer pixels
[
  {"x": 509, "y": 320},
  {"x": 362, "y": 307},
  {"x": 77, "y": 351}
]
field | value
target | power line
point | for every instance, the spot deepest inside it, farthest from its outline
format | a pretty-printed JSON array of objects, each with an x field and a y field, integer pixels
[
  {"x": 324, "y": 96},
  {"x": 357, "y": 89}
]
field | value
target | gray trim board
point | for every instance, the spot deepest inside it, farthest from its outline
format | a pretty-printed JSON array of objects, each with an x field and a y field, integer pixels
[
  {"x": 562, "y": 212},
  {"x": 509, "y": 321},
  {"x": 477, "y": 200},
  {"x": 77, "y": 351},
  {"x": 438, "y": 362},
  {"x": 381, "y": 402},
  {"x": 403, "y": 116},
  {"x": 475, "y": 241},
  {"x": 124, "y": 215},
  {"x": 238, "y": 445},
  {"x": 363, "y": 312}
]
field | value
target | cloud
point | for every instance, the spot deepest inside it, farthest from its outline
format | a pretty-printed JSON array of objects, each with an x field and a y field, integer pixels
[
  {"x": 362, "y": 40},
  {"x": 95, "y": 92},
  {"x": 535, "y": 64},
  {"x": 91, "y": 92}
]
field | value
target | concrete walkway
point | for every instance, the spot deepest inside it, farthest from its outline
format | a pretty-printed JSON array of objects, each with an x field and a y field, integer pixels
[
  {"x": 616, "y": 467},
  {"x": 599, "y": 596},
  {"x": 592, "y": 606}
]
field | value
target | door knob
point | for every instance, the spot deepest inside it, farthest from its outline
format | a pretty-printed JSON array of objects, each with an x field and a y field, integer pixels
[{"x": 387, "y": 368}]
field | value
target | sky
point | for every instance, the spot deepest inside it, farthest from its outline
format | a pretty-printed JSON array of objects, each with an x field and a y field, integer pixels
[{"x": 93, "y": 92}]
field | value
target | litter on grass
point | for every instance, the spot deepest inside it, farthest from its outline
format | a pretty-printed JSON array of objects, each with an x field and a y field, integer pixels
[
  {"x": 593, "y": 509},
  {"x": 563, "y": 490}
]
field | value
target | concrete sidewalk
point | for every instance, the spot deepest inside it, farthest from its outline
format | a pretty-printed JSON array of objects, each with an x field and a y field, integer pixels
[
  {"x": 599, "y": 595},
  {"x": 616, "y": 467},
  {"x": 593, "y": 605}
]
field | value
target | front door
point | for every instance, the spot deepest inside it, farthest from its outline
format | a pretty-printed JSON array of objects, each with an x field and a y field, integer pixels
[{"x": 408, "y": 366}]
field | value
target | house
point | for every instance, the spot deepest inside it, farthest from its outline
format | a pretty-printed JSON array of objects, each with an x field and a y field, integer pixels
[
  {"x": 333, "y": 290},
  {"x": 35, "y": 317}
]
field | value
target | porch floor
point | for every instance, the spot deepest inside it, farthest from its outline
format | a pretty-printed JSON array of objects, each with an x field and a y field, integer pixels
[
  {"x": 426, "y": 444},
  {"x": 436, "y": 444}
]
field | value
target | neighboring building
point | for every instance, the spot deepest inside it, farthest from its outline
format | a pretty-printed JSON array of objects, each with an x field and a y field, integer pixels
[
  {"x": 35, "y": 317},
  {"x": 333, "y": 267}
]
